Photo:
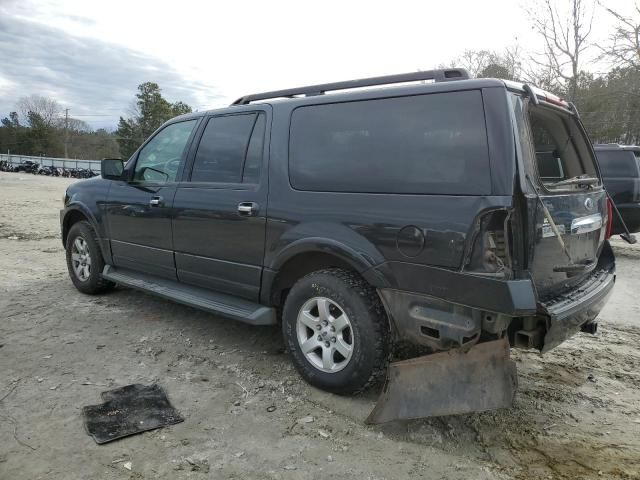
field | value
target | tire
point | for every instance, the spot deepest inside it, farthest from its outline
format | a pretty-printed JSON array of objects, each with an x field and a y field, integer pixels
[
  {"x": 89, "y": 251},
  {"x": 338, "y": 292}
]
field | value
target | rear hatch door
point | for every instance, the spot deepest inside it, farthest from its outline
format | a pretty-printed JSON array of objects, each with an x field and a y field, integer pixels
[{"x": 565, "y": 202}]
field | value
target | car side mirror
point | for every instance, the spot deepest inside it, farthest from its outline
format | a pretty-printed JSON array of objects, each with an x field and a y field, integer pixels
[
  {"x": 112, "y": 168},
  {"x": 150, "y": 174}
]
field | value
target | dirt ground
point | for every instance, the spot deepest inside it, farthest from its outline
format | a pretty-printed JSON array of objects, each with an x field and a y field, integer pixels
[{"x": 576, "y": 415}]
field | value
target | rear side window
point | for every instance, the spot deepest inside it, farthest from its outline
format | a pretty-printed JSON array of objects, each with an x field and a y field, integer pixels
[
  {"x": 230, "y": 150},
  {"x": 433, "y": 143},
  {"x": 617, "y": 163}
]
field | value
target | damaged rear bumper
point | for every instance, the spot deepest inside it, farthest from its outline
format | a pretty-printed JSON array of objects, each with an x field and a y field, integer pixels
[
  {"x": 444, "y": 309},
  {"x": 570, "y": 311}
]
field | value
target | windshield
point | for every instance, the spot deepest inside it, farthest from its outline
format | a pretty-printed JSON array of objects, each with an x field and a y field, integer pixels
[{"x": 560, "y": 149}]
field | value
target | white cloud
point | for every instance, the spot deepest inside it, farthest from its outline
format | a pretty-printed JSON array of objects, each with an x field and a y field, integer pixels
[{"x": 238, "y": 47}]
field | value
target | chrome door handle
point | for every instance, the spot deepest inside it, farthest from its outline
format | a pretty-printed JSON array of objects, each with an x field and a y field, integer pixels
[
  {"x": 247, "y": 209},
  {"x": 156, "y": 202}
]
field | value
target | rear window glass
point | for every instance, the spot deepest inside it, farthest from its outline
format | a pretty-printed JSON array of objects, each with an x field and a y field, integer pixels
[
  {"x": 618, "y": 163},
  {"x": 433, "y": 143},
  {"x": 561, "y": 151}
]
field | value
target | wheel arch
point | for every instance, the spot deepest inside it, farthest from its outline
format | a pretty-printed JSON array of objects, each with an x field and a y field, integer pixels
[
  {"x": 71, "y": 217},
  {"x": 305, "y": 256},
  {"x": 77, "y": 213}
]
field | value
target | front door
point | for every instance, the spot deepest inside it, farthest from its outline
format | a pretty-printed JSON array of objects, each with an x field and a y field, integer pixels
[
  {"x": 139, "y": 209},
  {"x": 220, "y": 207}
]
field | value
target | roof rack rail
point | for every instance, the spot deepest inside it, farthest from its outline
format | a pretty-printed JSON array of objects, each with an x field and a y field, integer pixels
[{"x": 441, "y": 75}]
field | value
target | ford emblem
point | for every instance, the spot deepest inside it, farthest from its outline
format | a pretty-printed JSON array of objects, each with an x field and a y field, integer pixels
[{"x": 588, "y": 204}]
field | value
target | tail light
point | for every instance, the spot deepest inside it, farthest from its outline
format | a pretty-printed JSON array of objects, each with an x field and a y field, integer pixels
[
  {"x": 607, "y": 235},
  {"x": 490, "y": 251}
]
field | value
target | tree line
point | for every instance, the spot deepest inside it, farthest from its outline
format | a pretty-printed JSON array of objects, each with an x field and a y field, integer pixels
[
  {"x": 40, "y": 126},
  {"x": 609, "y": 101}
]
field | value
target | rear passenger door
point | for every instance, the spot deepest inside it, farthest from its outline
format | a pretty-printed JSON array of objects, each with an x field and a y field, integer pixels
[{"x": 220, "y": 206}]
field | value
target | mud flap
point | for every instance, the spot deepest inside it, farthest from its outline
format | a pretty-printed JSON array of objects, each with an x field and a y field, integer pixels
[{"x": 448, "y": 383}]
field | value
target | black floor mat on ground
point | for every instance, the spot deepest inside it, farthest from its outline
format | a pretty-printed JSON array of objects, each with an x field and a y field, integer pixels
[{"x": 129, "y": 410}]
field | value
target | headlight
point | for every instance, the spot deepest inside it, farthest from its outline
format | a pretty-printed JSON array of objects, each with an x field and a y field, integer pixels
[{"x": 65, "y": 199}]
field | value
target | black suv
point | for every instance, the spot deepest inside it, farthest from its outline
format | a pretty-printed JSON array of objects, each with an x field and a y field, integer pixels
[
  {"x": 411, "y": 214},
  {"x": 620, "y": 168}
]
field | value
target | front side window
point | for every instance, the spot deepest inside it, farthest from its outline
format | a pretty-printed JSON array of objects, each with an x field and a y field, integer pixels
[
  {"x": 159, "y": 160},
  {"x": 423, "y": 144},
  {"x": 230, "y": 150}
]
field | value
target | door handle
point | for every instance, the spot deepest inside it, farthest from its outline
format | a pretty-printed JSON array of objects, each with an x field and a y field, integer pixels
[
  {"x": 156, "y": 202},
  {"x": 247, "y": 209}
]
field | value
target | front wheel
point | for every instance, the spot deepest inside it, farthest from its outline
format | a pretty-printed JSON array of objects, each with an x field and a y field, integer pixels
[
  {"x": 84, "y": 259},
  {"x": 336, "y": 331}
]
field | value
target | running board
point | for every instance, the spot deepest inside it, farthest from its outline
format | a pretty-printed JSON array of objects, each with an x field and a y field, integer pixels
[{"x": 196, "y": 297}]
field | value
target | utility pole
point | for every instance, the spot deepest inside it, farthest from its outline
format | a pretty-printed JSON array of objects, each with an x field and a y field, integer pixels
[{"x": 66, "y": 130}]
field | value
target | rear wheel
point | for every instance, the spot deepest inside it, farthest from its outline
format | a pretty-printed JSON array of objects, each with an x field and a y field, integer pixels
[
  {"x": 84, "y": 259},
  {"x": 336, "y": 330}
]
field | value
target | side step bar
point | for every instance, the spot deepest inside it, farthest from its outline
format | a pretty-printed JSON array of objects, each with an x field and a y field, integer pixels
[{"x": 203, "y": 299}]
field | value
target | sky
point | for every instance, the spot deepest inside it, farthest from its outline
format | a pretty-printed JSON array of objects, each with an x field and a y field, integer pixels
[{"x": 90, "y": 56}]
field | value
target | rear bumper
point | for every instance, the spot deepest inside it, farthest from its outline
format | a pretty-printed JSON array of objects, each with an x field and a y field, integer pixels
[
  {"x": 568, "y": 312},
  {"x": 468, "y": 304},
  {"x": 630, "y": 214},
  {"x": 465, "y": 305}
]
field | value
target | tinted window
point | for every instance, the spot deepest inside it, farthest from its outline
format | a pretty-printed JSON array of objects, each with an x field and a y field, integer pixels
[
  {"x": 422, "y": 144},
  {"x": 159, "y": 160},
  {"x": 549, "y": 165},
  {"x": 618, "y": 163},
  {"x": 251, "y": 172},
  {"x": 222, "y": 150}
]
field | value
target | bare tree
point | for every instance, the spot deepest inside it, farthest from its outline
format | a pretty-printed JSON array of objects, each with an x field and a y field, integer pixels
[
  {"x": 624, "y": 44},
  {"x": 566, "y": 37},
  {"x": 490, "y": 63},
  {"x": 512, "y": 59},
  {"x": 474, "y": 61},
  {"x": 46, "y": 108},
  {"x": 76, "y": 126}
]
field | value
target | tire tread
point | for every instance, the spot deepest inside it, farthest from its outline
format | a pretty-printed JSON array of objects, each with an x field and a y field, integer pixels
[
  {"x": 381, "y": 334},
  {"x": 98, "y": 284}
]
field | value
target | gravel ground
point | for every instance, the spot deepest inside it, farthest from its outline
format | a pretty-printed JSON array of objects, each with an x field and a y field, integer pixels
[{"x": 576, "y": 415}]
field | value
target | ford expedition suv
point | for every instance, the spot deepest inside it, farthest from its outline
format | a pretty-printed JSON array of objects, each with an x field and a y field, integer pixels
[{"x": 359, "y": 218}]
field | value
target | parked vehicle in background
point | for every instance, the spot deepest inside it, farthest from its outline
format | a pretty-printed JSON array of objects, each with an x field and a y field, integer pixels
[
  {"x": 49, "y": 170},
  {"x": 417, "y": 214},
  {"x": 620, "y": 168}
]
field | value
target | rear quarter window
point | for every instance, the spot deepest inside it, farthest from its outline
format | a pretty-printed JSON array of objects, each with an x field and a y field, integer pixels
[
  {"x": 424, "y": 144},
  {"x": 617, "y": 163}
]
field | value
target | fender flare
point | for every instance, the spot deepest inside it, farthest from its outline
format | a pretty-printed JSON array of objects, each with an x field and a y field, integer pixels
[
  {"x": 81, "y": 208},
  {"x": 361, "y": 262}
]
